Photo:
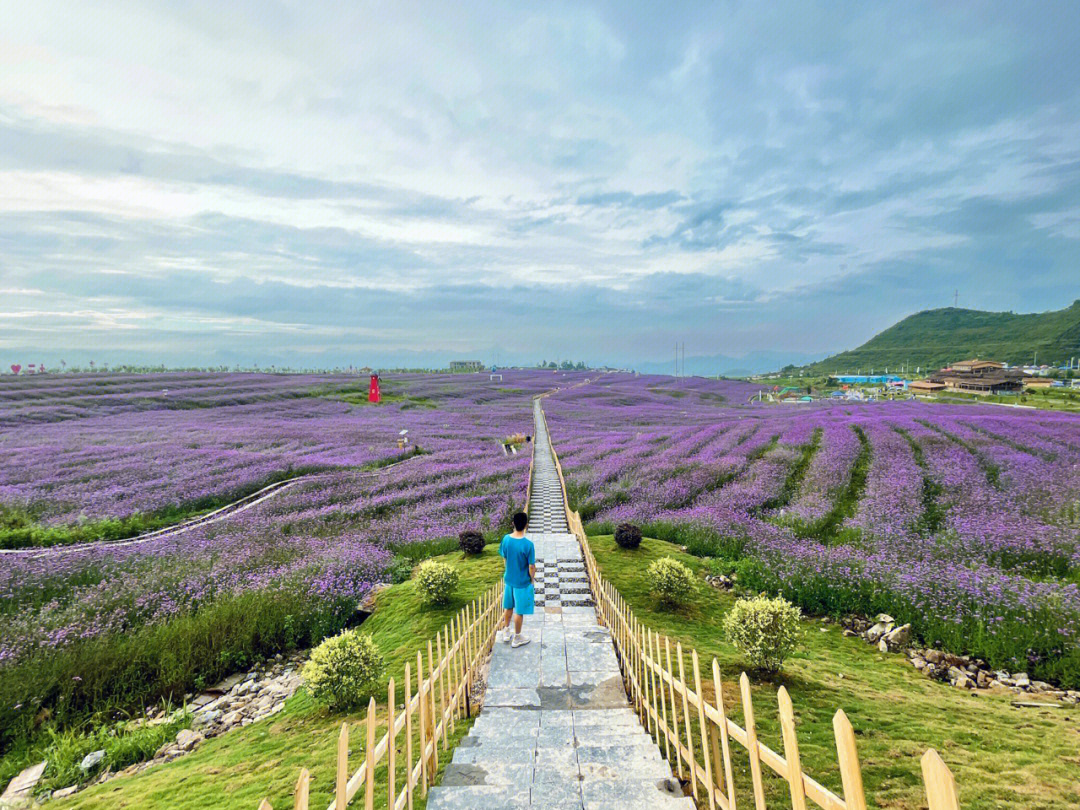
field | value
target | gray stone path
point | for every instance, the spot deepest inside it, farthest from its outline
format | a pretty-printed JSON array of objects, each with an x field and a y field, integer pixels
[{"x": 556, "y": 731}]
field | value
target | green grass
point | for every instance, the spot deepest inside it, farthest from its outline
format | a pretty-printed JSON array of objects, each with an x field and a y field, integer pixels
[
  {"x": 240, "y": 768},
  {"x": 1002, "y": 757}
]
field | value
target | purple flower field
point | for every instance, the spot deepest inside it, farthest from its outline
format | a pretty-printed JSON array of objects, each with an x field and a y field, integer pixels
[
  {"x": 961, "y": 519},
  {"x": 322, "y": 543}
]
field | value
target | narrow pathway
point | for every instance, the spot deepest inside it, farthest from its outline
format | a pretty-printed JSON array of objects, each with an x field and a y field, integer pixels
[{"x": 556, "y": 731}]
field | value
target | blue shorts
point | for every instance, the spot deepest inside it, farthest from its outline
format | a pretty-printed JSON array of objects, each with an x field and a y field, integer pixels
[{"x": 520, "y": 599}]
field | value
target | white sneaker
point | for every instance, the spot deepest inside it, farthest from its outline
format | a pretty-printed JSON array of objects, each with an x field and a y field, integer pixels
[
  {"x": 506, "y": 635},
  {"x": 520, "y": 640}
]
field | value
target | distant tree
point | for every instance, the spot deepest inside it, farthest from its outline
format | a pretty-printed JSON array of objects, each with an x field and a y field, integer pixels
[
  {"x": 552, "y": 364},
  {"x": 580, "y": 365}
]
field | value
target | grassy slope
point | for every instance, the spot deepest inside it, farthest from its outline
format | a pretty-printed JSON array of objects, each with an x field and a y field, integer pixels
[
  {"x": 1001, "y": 756},
  {"x": 264, "y": 759},
  {"x": 936, "y": 337}
]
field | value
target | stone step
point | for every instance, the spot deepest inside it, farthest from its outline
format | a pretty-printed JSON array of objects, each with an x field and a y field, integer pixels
[
  {"x": 474, "y": 797},
  {"x": 634, "y": 794}
]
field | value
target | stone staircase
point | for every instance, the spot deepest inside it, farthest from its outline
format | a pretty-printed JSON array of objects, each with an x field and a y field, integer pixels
[{"x": 556, "y": 731}]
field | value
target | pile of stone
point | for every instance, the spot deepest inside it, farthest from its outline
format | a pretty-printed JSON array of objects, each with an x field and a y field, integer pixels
[
  {"x": 720, "y": 581},
  {"x": 237, "y": 701},
  {"x": 961, "y": 671}
]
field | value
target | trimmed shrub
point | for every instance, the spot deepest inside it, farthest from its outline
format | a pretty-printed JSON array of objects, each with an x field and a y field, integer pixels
[
  {"x": 436, "y": 582},
  {"x": 344, "y": 670},
  {"x": 627, "y": 536},
  {"x": 764, "y": 630},
  {"x": 672, "y": 581},
  {"x": 471, "y": 542}
]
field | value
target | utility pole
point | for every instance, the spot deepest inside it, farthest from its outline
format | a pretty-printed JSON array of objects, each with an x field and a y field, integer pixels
[
  {"x": 955, "y": 298},
  {"x": 676, "y": 359}
]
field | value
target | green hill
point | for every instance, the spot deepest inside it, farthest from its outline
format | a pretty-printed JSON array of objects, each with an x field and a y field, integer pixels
[{"x": 936, "y": 337}]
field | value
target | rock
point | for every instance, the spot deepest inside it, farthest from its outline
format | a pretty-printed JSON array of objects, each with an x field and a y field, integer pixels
[
  {"x": 934, "y": 656},
  {"x": 964, "y": 682},
  {"x": 898, "y": 637},
  {"x": 92, "y": 760},
  {"x": 850, "y": 633},
  {"x": 227, "y": 684},
  {"x": 982, "y": 679},
  {"x": 187, "y": 739},
  {"x": 1041, "y": 686},
  {"x": 956, "y": 674},
  {"x": 885, "y": 618},
  {"x": 64, "y": 792},
  {"x": 883, "y": 645},
  {"x": 874, "y": 634},
  {"x": 277, "y": 707},
  {"x": 21, "y": 788},
  {"x": 202, "y": 700},
  {"x": 206, "y": 718},
  {"x": 1022, "y": 680},
  {"x": 918, "y": 663},
  {"x": 231, "y": 719}
]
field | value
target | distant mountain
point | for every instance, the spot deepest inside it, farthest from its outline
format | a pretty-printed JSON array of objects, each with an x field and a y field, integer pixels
[
  {"x": 757, "y": 362},
  {"x": 937, "y": 337}
]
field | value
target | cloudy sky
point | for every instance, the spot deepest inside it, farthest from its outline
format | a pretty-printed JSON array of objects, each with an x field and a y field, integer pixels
[{"x": 314, "y": 183}]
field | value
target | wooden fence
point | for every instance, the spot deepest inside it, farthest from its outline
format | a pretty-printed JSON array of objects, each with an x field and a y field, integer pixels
[
  {"x": 696, "y": 735},
  {"x": 417, "y": 729}
]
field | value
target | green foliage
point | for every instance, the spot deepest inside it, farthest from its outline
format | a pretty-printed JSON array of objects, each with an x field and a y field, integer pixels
[
  {"x": 673, "y": 582},
  {"x": 435, "y": 581},
  {"x": 401, "y": 569},
  {"x": 937, "y": 337},
  {"x": 344, "y": 670},
  {"x": 128, "y": 671},
  {"x": 628, "y": 536},
  {"x": 765, "y": 630}
]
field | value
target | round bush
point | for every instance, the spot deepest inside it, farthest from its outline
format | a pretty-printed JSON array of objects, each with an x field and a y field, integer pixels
[
  {"x": 671, "y": 581},
  {"x": 436, "y": 582},
  {"x": 471, "y": 542},
  {"x": 627, "y": 536},
  {"x": 400, "y": 570},
  {"x": 764, "y": 630},
  {"x": 344, "y": 670}
]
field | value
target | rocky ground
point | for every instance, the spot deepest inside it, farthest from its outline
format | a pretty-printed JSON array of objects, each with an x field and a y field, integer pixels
[
  {"x": 961, "y": 671},
  {"x": 237, "y": 701}
]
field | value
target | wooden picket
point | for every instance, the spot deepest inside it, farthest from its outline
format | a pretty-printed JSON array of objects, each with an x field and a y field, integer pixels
[
  {"x": 441, "y": 697},
  {"x": 670, "y": 708}
]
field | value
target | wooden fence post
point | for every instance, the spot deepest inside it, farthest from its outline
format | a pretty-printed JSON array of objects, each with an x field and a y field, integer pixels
[
  {"x": 408, "y": 738},
  {"x": 939, "y": 781},
  {"x": 791, "y": 751},
  {"x": 265, "y": 805},
  {"x": 421, "y": 701},
  {"x": 848, "y": 758},
  {"x": 442, "y": 670},
  {"x": 663, "y": 698},
  {"x": 710, "y": 788},
  {"x": 303, "y": 787},
  {"x": 391, "y": 747},
  {"x": 369, "y": 792},
  {"x": 691, "y": 762},
  {"x": 341, "y": 785},
  {"x": 725, "y": 743},
  {"x": 674, "y": 707},
  {"x": 752, "y": 743}
]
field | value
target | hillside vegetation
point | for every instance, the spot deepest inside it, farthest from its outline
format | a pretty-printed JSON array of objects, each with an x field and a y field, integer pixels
[{"x": 937, "y": 337}]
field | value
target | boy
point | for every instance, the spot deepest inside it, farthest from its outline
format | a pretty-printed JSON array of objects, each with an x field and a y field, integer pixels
[{"x": 520, "y": 555}]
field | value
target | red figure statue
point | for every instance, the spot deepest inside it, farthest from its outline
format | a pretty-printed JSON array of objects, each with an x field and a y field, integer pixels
[{"x": 373, "y": 391}]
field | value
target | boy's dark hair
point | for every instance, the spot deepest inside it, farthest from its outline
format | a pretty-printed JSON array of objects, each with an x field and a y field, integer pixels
[{"x": 521, "y": 520}]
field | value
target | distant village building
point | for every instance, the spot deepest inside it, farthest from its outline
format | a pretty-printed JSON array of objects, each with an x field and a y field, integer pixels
[
  {"x": 466, "y": 365},
  {"x": 983, "y": 377}
]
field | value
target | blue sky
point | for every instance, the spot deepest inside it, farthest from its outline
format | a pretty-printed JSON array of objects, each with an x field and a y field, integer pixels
[{"x": 311, "y": 183}]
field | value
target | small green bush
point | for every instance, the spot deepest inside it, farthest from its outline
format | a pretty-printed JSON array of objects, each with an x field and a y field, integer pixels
[
  {"x": 672, "y": 581},
  {"x": 471, "y": 542},
  {"x": 344, "y": 670},
  {"x": 400, "y": 570},
  {"x": 627, "y": 536},
  {"x": 764, "y": 630},
  {"x": 436, "y": 582}
]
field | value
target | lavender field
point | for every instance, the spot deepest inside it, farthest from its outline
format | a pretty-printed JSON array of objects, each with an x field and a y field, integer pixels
[
  {"x": 86, "y": 626},
  {"x": 963, "y": 520}
]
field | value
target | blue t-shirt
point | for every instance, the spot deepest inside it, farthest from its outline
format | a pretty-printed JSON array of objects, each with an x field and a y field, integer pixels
[{"x": 520, "y": 553}]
